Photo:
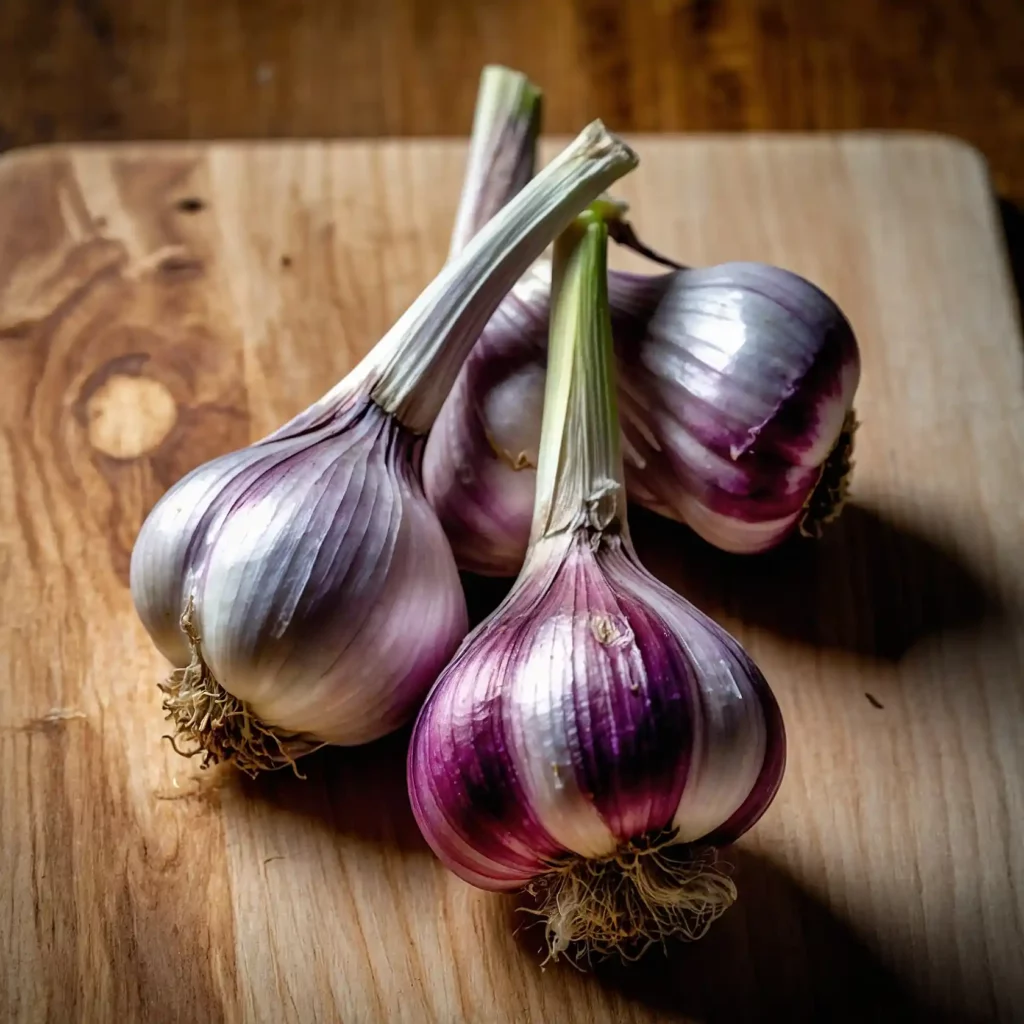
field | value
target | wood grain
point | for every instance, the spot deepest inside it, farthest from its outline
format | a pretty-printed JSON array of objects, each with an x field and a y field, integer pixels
[
  {"x": 160, "y": 304},
  {"x": 126, "y": 69}
]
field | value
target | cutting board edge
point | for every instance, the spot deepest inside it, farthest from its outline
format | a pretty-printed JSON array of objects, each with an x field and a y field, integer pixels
[{"x": 41, "y": 152}]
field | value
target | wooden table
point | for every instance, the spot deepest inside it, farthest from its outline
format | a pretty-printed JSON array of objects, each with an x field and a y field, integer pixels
[{"x": 172, "y": 69}]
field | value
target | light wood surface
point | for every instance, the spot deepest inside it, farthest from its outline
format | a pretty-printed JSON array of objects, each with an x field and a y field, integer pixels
[{"x": 159, "y": 305}]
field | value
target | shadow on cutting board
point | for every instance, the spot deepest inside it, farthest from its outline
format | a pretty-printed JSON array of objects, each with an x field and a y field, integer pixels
[
  {"x": 1013, "y": 229},
  {"x": 357, "y": 791},
  {"x": 778, "y": 954},
  {"x": 873, "y": 585}
]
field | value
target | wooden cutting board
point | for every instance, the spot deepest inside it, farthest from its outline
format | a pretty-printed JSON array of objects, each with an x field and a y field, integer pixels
[{"x": 160, "y": 304}]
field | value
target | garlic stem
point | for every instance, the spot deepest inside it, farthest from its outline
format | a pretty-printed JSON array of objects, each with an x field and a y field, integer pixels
[
  {"x": 580, "y": 480},
  {"x": 415, "y": 364},
  {"x": 502, "y": 149}
]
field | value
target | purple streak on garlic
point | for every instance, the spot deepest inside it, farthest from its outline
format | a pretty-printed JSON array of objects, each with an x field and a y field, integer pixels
[
  {"x": 302, "y": 586},
  {"x": 597, "y": 736}
]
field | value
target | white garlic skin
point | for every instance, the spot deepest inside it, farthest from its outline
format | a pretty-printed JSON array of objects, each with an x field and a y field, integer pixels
[
  {"x": 324, "y": 591},
  {"x": 593, "y": 707}
]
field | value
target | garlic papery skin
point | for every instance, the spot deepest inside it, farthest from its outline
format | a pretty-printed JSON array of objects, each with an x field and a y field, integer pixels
[
  {"x": 597, "y": 737},
  {"x": 302, "y": 587}
]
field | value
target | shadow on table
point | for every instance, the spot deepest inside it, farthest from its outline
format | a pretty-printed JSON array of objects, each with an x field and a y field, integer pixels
[
  {"x": 779, "y": 954},
  {"x": 356, "y": 791},
  {"x": 1013, "y": 229},
  {"x": 874, "y": 585}
]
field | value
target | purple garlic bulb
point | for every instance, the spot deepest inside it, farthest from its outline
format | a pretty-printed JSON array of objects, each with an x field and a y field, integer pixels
[{"x": 597, "y": 738}]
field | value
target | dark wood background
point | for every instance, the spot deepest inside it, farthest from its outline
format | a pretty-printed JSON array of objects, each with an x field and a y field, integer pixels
[{"x": 170, "y": 69}]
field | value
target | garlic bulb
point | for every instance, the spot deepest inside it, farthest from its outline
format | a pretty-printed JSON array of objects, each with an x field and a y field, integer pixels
[
  {"x": 737, "y": 401},
  {"x": 597, "y": 737},
  {"x": 736, "y": 388},
  {"x": 302, "y": 586}
]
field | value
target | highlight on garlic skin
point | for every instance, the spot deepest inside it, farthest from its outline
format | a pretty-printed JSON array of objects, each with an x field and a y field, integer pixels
[
  {"x": 736, "y": 389},
  {"x": 597, "y": 738},
  {"x": 302, "y": 587}
]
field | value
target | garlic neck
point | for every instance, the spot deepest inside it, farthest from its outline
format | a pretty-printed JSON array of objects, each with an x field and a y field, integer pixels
[
  {"x": 415, "y": 364},
  {"x": 580, "y": 482},
  {"x": 502, "y": 149}
]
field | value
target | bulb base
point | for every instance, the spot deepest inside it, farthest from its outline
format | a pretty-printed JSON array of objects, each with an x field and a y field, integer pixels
[
  {"x": 830, "y": 493},
  {"x": 650, "y": 890},
  {"x": 219, "y": 727}
]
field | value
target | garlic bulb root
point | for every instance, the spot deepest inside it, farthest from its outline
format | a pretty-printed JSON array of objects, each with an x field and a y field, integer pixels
[
  {"x": 218, "y": 726},
  {"x": 649, "y": 891},
  {"x": 825, "y": 503}
]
